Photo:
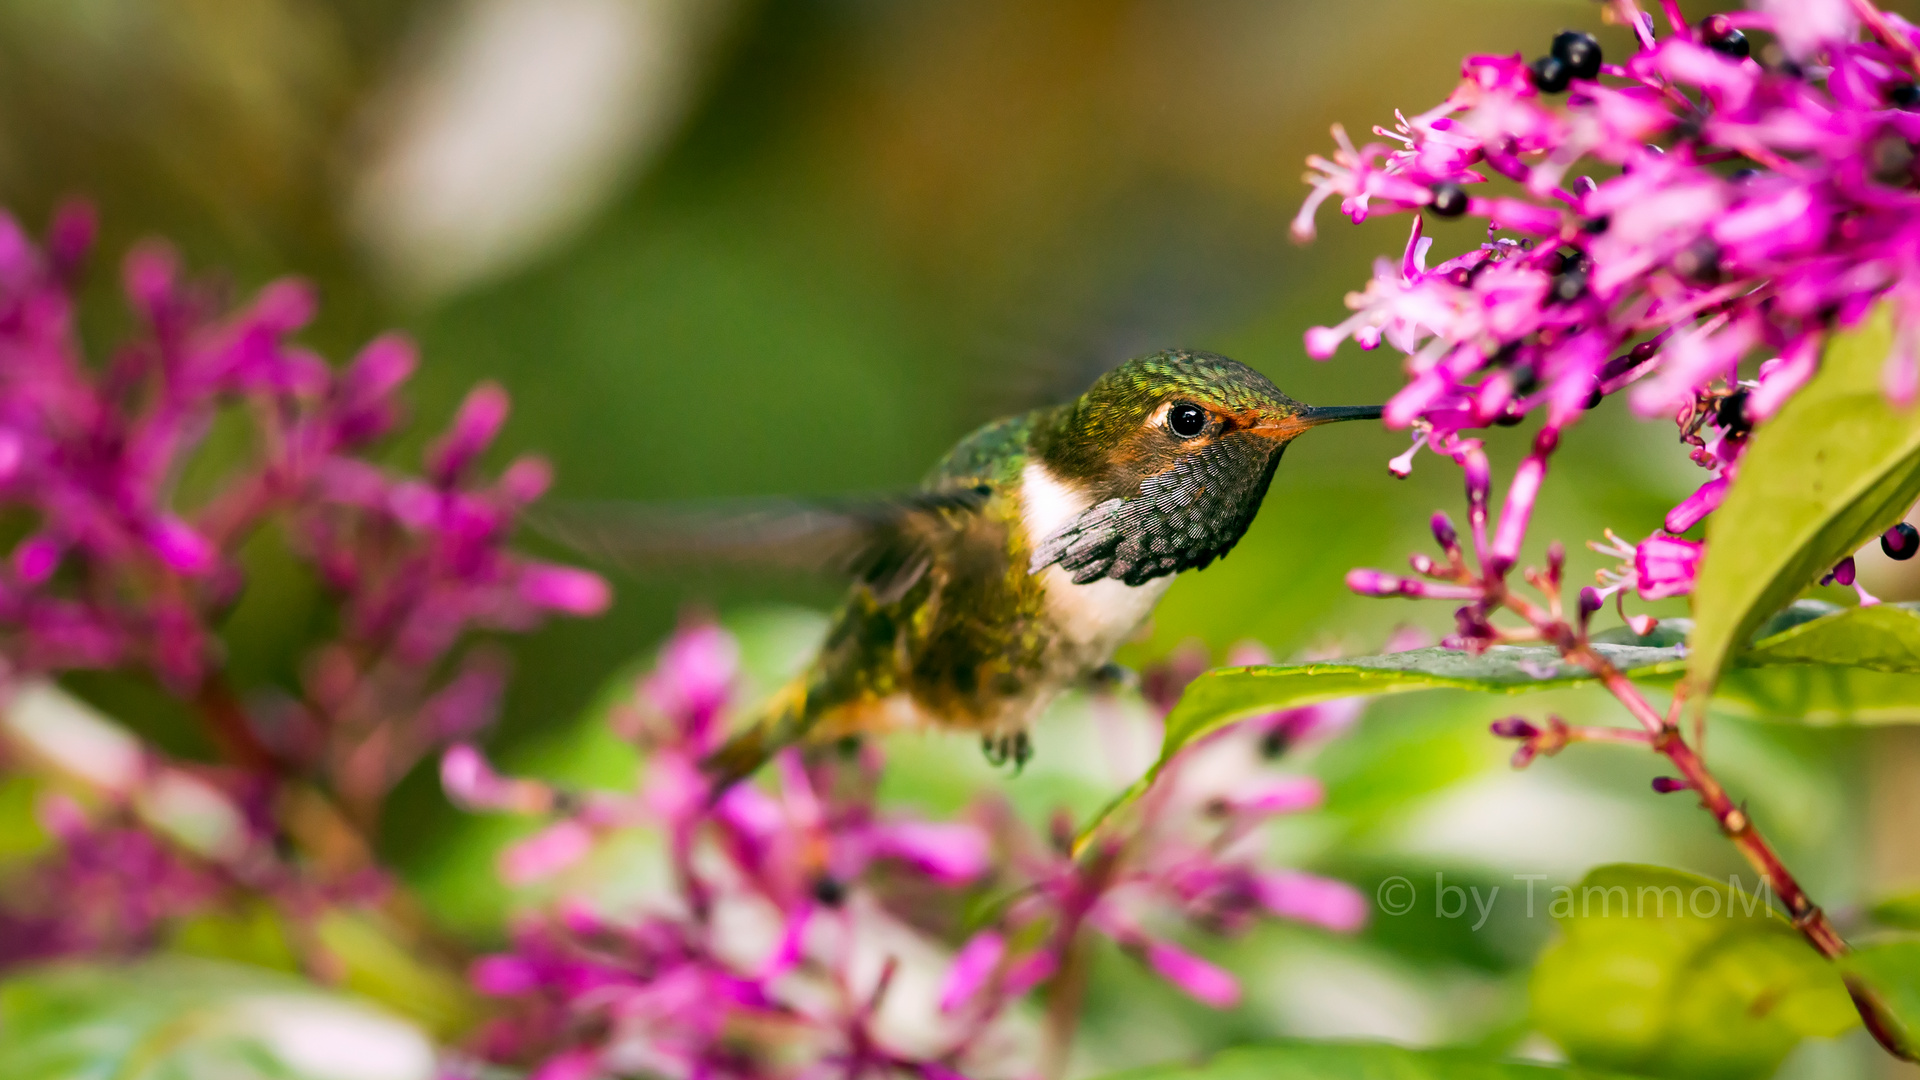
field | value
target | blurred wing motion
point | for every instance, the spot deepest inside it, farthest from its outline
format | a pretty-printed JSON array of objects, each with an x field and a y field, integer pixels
[{"x": 886, "y": 544}]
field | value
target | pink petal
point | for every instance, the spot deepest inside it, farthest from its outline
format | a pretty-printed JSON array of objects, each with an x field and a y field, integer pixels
[
  {"x": 1199, "y": 979},
  {"x": 1286, "y": 797},
  {"x": 545, "y": 853},
  {"x": 565, "y": 589},
  {"x": 1698, "y": 505},
  {"x": 949, "y": 851},
  {"x": 503, "y": 976},
  {"x": 572, "y": 1065},
  {"x": 180, "y": 547},
  {"x": 972, "y": 967},
  {"x": 381, "y": 367},
  {"x": 480, "y": 418},
  {"x": 1312, "y": 899}
]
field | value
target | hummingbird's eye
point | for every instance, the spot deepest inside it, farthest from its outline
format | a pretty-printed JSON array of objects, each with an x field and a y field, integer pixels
[{"x": 1186, "y": 420}]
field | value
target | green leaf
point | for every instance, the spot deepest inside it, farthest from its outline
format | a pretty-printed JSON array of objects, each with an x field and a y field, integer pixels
[
  {"x": 1901, "y": 910},
  {"x": 173, "y": 1018},
  {"x": 1885, "y": 637},
  {"x": 1833, "y": 469},
  {"x": 1225, "y": 695},
  {"x": 1891, "y": 969},
  {"x": 1676, "y": 975},
  {"x": 1302, "y": 1060}
]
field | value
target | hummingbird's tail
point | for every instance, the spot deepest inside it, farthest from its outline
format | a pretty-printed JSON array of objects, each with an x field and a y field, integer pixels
[{"x": 782, "y": 723}]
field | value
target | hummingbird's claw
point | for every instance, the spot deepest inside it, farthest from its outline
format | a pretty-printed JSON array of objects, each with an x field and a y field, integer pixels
[
  {"x": 1110, "y": 677},
  {"x": 1001, "y": 749}
]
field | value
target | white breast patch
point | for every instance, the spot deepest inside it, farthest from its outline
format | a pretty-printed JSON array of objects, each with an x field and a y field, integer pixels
[{"x": 1096, "y": 617}]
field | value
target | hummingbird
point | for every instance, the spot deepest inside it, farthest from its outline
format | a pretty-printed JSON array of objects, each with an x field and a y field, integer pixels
[{"x": 1035, "y": 548}]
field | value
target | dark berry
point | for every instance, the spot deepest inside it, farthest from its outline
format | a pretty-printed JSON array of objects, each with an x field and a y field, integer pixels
[
  {"x": 1903, "y": 95},
  {"x": 1699, "y": 261},
  {"x": 1524, "y": 379},
  {"x": 1580, "y": 51},
  {"x": 1449, "y": 199},
  {"x": 1594, "y": 397},
  {"x": 1900, "y": 542},
  {"x": 1273, "y": 744},
  {"x": 1550, "y": 74},
  {"x": 828, "y": 891},
  {"x": 1569, "y": 285},
  {"x": 1732, "y": 412},
  {"x": 1741, "y": 176},
  {"x": 1510, "y": 418},
  {"x": 1643, "y": 351},
  {"x": 1596, "y": 226},
  {"x": 1891, "y": 159},
  {"x": 1724, "y": 39}
]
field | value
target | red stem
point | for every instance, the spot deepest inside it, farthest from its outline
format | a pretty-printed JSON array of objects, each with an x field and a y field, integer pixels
[{"x": 1665, "y": 738}]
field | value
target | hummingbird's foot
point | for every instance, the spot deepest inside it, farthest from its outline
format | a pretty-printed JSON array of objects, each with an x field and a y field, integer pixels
[
  {"x": 1109, "y": 678},
  {"x": 1000, "y": 749}
]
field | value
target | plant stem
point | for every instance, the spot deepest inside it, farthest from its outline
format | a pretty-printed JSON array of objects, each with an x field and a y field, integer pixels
[
  {"x": 227, "y": 725},
  {"x": 1807, "y": 916}
]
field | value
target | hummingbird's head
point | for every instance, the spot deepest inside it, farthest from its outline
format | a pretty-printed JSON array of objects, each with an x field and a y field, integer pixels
[{"x": 1173, "y": 453}]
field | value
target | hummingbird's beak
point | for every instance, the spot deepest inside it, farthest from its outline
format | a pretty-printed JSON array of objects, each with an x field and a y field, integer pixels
[{"x": 1286, "y": 428}]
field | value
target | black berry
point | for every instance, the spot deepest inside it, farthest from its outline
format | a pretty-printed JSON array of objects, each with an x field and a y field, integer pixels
[
  {"x": 1724, "y": 39},
  {"x": 1699, "y": 261},
  {"x": 1550, "y": 74},
  {"x": 1732, "y": 412},
  {"x": 1449, "y": 199},
  {"x": 1596, "y": 226},
  {"x": 1569, "y": 285},
  {"x": 829, "y": 892},
  {"x": 1579, "y": 51},
  {"x": 1903, "y": 95},
  {"x": 1274, "y": 743},
  {"x": 1900, "y": 542}
]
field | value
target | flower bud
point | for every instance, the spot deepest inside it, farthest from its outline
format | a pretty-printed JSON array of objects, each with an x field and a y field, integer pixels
[
  {"x": 474, "y": 427},
  {"x": 1443, "y": 532},
  {"x": 1513, "y": 727},
  {"x": 1667, "y": 785},
  {"x": 1590, "y": 602}
]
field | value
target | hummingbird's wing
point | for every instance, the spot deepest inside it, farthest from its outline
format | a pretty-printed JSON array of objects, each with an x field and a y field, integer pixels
[{"x": 886, "y": 544}]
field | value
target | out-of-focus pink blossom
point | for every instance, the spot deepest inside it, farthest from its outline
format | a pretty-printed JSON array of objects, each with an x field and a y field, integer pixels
[
  {"x": 1310, "y": 898},
  {"x": 972, "y": 967},
  {"x": 1203, "y": 981}
]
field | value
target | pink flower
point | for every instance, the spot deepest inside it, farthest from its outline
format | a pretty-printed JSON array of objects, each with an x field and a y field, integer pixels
[{"x": 1664, "y": 566}]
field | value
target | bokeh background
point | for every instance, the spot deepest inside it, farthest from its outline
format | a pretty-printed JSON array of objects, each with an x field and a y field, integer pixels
[{"x": 731, "y": 247}]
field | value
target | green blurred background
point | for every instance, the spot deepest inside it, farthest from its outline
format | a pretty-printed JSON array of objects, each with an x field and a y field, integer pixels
[{"x": 722, "y": 247}]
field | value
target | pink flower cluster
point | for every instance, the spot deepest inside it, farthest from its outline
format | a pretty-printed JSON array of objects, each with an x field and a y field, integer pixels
[
  {"x": 803, "y": 930},
  {"x": 1677, "y": 215},
  {"x": 130, "y": 516}
]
